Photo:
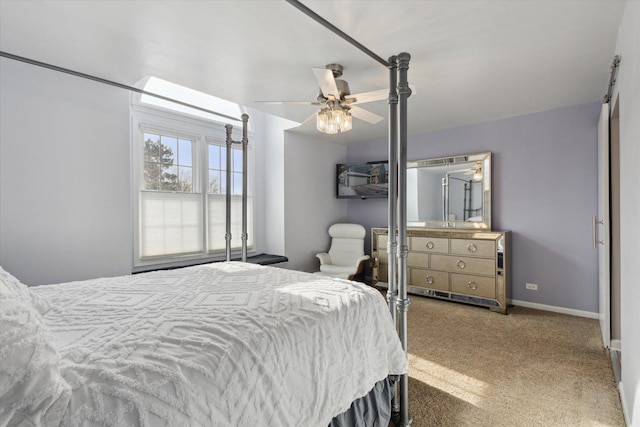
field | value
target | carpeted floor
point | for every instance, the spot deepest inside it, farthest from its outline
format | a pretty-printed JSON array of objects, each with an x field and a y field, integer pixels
[{"x": 472, "y": 367}]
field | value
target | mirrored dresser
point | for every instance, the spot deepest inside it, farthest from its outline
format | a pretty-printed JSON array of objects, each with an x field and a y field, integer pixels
[{"x": 469, "y": 266}]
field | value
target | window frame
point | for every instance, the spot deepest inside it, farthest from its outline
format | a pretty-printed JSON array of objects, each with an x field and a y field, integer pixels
[{"x": 203, "y": 132}]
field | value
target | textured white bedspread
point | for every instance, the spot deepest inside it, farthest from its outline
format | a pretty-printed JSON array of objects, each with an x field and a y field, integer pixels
[{"x": 227, "y": 344}]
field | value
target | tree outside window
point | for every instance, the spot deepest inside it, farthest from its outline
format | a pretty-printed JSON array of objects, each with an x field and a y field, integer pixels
[
  {"x": 168, "y": 163},
  {"x": 218, "y": 168}
]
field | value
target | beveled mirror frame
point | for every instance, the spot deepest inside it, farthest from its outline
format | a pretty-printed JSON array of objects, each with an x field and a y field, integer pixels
[{"x": 480, "y": 163}]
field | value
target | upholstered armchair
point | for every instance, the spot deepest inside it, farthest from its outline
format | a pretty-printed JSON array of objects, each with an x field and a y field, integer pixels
[{"x": 346, "y": 257}]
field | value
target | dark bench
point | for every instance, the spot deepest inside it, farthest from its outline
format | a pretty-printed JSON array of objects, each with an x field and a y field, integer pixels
[{"x": 264, "y": 259}]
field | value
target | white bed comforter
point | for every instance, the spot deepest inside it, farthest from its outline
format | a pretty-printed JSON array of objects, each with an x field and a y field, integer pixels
[{"x": 227, "y": 344}]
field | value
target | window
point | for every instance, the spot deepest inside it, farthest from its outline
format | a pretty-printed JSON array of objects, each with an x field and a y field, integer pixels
[
  {"x": 171, "y": 212},
  {"x": 180, "y": 187},
  {"x": 168, "y": 163},
  {"x": 217, "y": 190}
]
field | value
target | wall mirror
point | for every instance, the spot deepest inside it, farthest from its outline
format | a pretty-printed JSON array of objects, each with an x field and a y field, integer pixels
[{"x": 450, "y": 192}]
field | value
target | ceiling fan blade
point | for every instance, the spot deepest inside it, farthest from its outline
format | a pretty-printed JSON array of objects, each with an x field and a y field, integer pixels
[
  {"x": 361, "y": 98},
  {"x": 327, "y": 82},
  {"x": 289, "y": 102},
  {"x": 375, "y": 95},
  {"x": 365, "y": 115},
  {"x": 308, "y": 121}
]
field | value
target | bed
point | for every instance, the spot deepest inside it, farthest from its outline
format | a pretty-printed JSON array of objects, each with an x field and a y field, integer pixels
[
  {"x": 231, "y": 343},
  {"x": 222, "y": 344}
]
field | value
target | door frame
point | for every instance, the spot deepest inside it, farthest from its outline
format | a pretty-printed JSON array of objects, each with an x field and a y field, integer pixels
[{"x": 601, "y": 224}]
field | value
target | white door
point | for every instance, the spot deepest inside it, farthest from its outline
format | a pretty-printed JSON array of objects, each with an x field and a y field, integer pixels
[{"x": 601, "y": 227}]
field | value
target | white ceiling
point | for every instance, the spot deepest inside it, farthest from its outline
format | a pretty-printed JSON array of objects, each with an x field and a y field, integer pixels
[{"x": 472, "y": 61}]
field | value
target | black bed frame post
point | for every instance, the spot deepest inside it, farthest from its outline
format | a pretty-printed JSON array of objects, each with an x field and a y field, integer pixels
[
  {"x": 403, "y": 249},
  {"x": 227, "y": 234},
  {"x": 392, "y": 243},
  {"x": 245, "y": 143}
]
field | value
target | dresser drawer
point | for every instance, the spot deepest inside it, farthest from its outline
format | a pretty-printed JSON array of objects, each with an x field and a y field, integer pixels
[
  {"x": 429, "y": 244},
  {"x": 477, "y": 286},
  {"x": 382, "y": 247},
  {"x": 452, "y": 264},
  {"x": 416, "y": 259},
  {"x": 430, "y": 279},
  {"x": 460, "y": 264},
  {"x": 483, "y": 248}
]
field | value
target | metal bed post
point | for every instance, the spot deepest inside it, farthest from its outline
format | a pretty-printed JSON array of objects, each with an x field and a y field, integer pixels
[
  {"x": 392, "y": 207},
  {"x": 403, "y": 250},
  {"x": 227, "y": 234},
  {"x": 401, "y": 63},
  {"x": 245, "y": 143}
]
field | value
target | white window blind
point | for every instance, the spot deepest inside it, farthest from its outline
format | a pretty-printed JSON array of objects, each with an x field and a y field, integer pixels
[
  {"x": 217, "y": 223},
  {"x": 170, "y": 223}
]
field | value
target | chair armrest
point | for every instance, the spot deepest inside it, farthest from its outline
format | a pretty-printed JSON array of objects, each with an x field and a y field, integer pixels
[{"x": 324, "y": 258}]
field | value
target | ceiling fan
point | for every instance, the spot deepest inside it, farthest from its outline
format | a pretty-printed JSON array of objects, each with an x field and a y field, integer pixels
[
  {"x": 475, "y": 170},
  {"x": 337, "y": 103}
]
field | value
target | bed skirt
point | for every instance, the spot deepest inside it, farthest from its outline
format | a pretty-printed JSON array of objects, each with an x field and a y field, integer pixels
[{"x": 371, "y": 410}]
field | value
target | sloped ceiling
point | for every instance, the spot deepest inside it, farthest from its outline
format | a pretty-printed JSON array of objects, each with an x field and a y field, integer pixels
[{"x": 472, "y": 61}]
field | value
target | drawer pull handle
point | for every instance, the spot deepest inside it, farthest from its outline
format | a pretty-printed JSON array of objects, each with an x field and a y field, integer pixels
[
  {"x": 430, "y": 279},
  {"x": 461, "y": 265},
  {"x": 430, "y": 245},
  {"x": 472, "y": 285},
  {"x": 472, "y": 248}
]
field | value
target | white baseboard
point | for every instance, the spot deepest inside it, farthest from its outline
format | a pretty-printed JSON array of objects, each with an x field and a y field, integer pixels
[
  {"x": 623, "y": 399},
  {"x": 556, "y": 309},
  {"x": 615, "y": 345}
]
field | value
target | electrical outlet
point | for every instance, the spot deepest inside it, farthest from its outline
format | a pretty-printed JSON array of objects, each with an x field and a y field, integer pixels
[{"x": 531, "y": 286}]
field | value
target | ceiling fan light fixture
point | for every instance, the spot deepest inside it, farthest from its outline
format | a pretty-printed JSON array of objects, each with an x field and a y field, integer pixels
[
  {"x": 332, "y": 121},
  {"x": 347, "y": 123},
  {"x": 322, "y": 120},
  {"x": 332, "y": 128}
]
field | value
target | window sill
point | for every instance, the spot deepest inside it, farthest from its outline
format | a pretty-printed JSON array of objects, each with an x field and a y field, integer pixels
[{"x": 179, "y": 262}]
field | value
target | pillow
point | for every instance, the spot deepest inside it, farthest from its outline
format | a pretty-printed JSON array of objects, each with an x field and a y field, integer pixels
[
  {"x": 14, "y": 287},
  {"x": 10, "y": 285},
  {"x": 32, "y": 391}
]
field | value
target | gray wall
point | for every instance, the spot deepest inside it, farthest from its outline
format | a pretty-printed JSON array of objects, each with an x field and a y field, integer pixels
[
  {"x": 310, "y": 200},
  {"x": 544, "y": 190},
  {"x": 65, "y": 193}
]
